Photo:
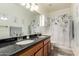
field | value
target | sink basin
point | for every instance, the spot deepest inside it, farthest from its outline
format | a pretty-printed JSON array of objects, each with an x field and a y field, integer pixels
[{"x": 25, "y": 42}]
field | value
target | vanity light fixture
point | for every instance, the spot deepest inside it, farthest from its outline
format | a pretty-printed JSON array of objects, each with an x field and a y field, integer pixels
[
  {"x": 3, "y": 17},
  {"x": 34, "y": 6},
  {"x": 31, "y": 6}
]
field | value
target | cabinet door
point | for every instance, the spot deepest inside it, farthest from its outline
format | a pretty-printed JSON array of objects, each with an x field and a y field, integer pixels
[
  {"x": 40, "y": 52},
  {"x": 46, "y": 50},
  {"x": 30, "y": 52},
  {"x": 49, "y": 47}
]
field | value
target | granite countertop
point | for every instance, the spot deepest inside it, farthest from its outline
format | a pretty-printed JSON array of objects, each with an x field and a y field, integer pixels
[{"x": 10, "y": 48}]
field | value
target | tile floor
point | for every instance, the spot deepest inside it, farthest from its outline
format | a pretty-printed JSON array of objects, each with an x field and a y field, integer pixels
[{"x": 61, "y": 52}]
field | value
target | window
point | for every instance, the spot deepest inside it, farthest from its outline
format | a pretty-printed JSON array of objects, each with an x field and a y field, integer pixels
[{"x": 42, "y": 20}]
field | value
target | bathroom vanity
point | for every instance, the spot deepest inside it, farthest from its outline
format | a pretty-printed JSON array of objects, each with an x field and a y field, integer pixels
[{"x": 40, "y": 46}]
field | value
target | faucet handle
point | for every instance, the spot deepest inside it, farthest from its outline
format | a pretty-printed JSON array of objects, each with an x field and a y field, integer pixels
[{"x": 27, "y": 36}]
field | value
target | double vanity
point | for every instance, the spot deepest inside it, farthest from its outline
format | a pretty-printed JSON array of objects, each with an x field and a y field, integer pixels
[{"x": 34, "y": 46}]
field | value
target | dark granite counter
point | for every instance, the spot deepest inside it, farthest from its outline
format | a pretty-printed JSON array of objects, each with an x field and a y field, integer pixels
[{"x": 10, "y": 48}]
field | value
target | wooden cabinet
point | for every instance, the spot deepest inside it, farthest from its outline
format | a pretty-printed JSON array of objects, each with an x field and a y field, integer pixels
[
  {"x": 40, "y": 52},
  {"x": 26, "y": 53},
  {"x": 46, "y": 41},
  {"x": 31, "y": 51},
  {"x": 49, "y": 47},
  {"x": 45, "y": 50},
  {"x": 40, "y": 49}
]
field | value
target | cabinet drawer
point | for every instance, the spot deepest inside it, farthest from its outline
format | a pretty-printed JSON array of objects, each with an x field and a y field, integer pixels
[{"x": 31, "y": 51}]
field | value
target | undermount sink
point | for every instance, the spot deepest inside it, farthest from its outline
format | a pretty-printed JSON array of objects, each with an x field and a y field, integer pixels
[{"x": 25, "y": 42}]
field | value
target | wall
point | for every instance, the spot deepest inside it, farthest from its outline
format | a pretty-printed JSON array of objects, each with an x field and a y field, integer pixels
[
  {"x": 60, "y": 34},
  {"x": 14, "y": 11},
  {"x": 75, "y": 13},
  {"x": 62, "y": 11}
]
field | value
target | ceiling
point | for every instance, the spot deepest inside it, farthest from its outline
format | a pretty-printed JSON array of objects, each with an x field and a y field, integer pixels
[{"x": 46, "y": 8}]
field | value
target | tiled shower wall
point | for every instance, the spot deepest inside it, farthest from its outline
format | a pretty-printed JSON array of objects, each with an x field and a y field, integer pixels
[
  {"x": 61, "y": 28},
  {"x": 75, "y": 45}
]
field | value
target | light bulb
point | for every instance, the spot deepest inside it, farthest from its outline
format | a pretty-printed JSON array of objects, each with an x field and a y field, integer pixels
[
  {"x": 27, "y": 5},
  {"x": 5, "y": 18},
  {"x": 32, "y": 9},
  {"x": 2, "y": 18},
  {"x": 36, "y": 7}
]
